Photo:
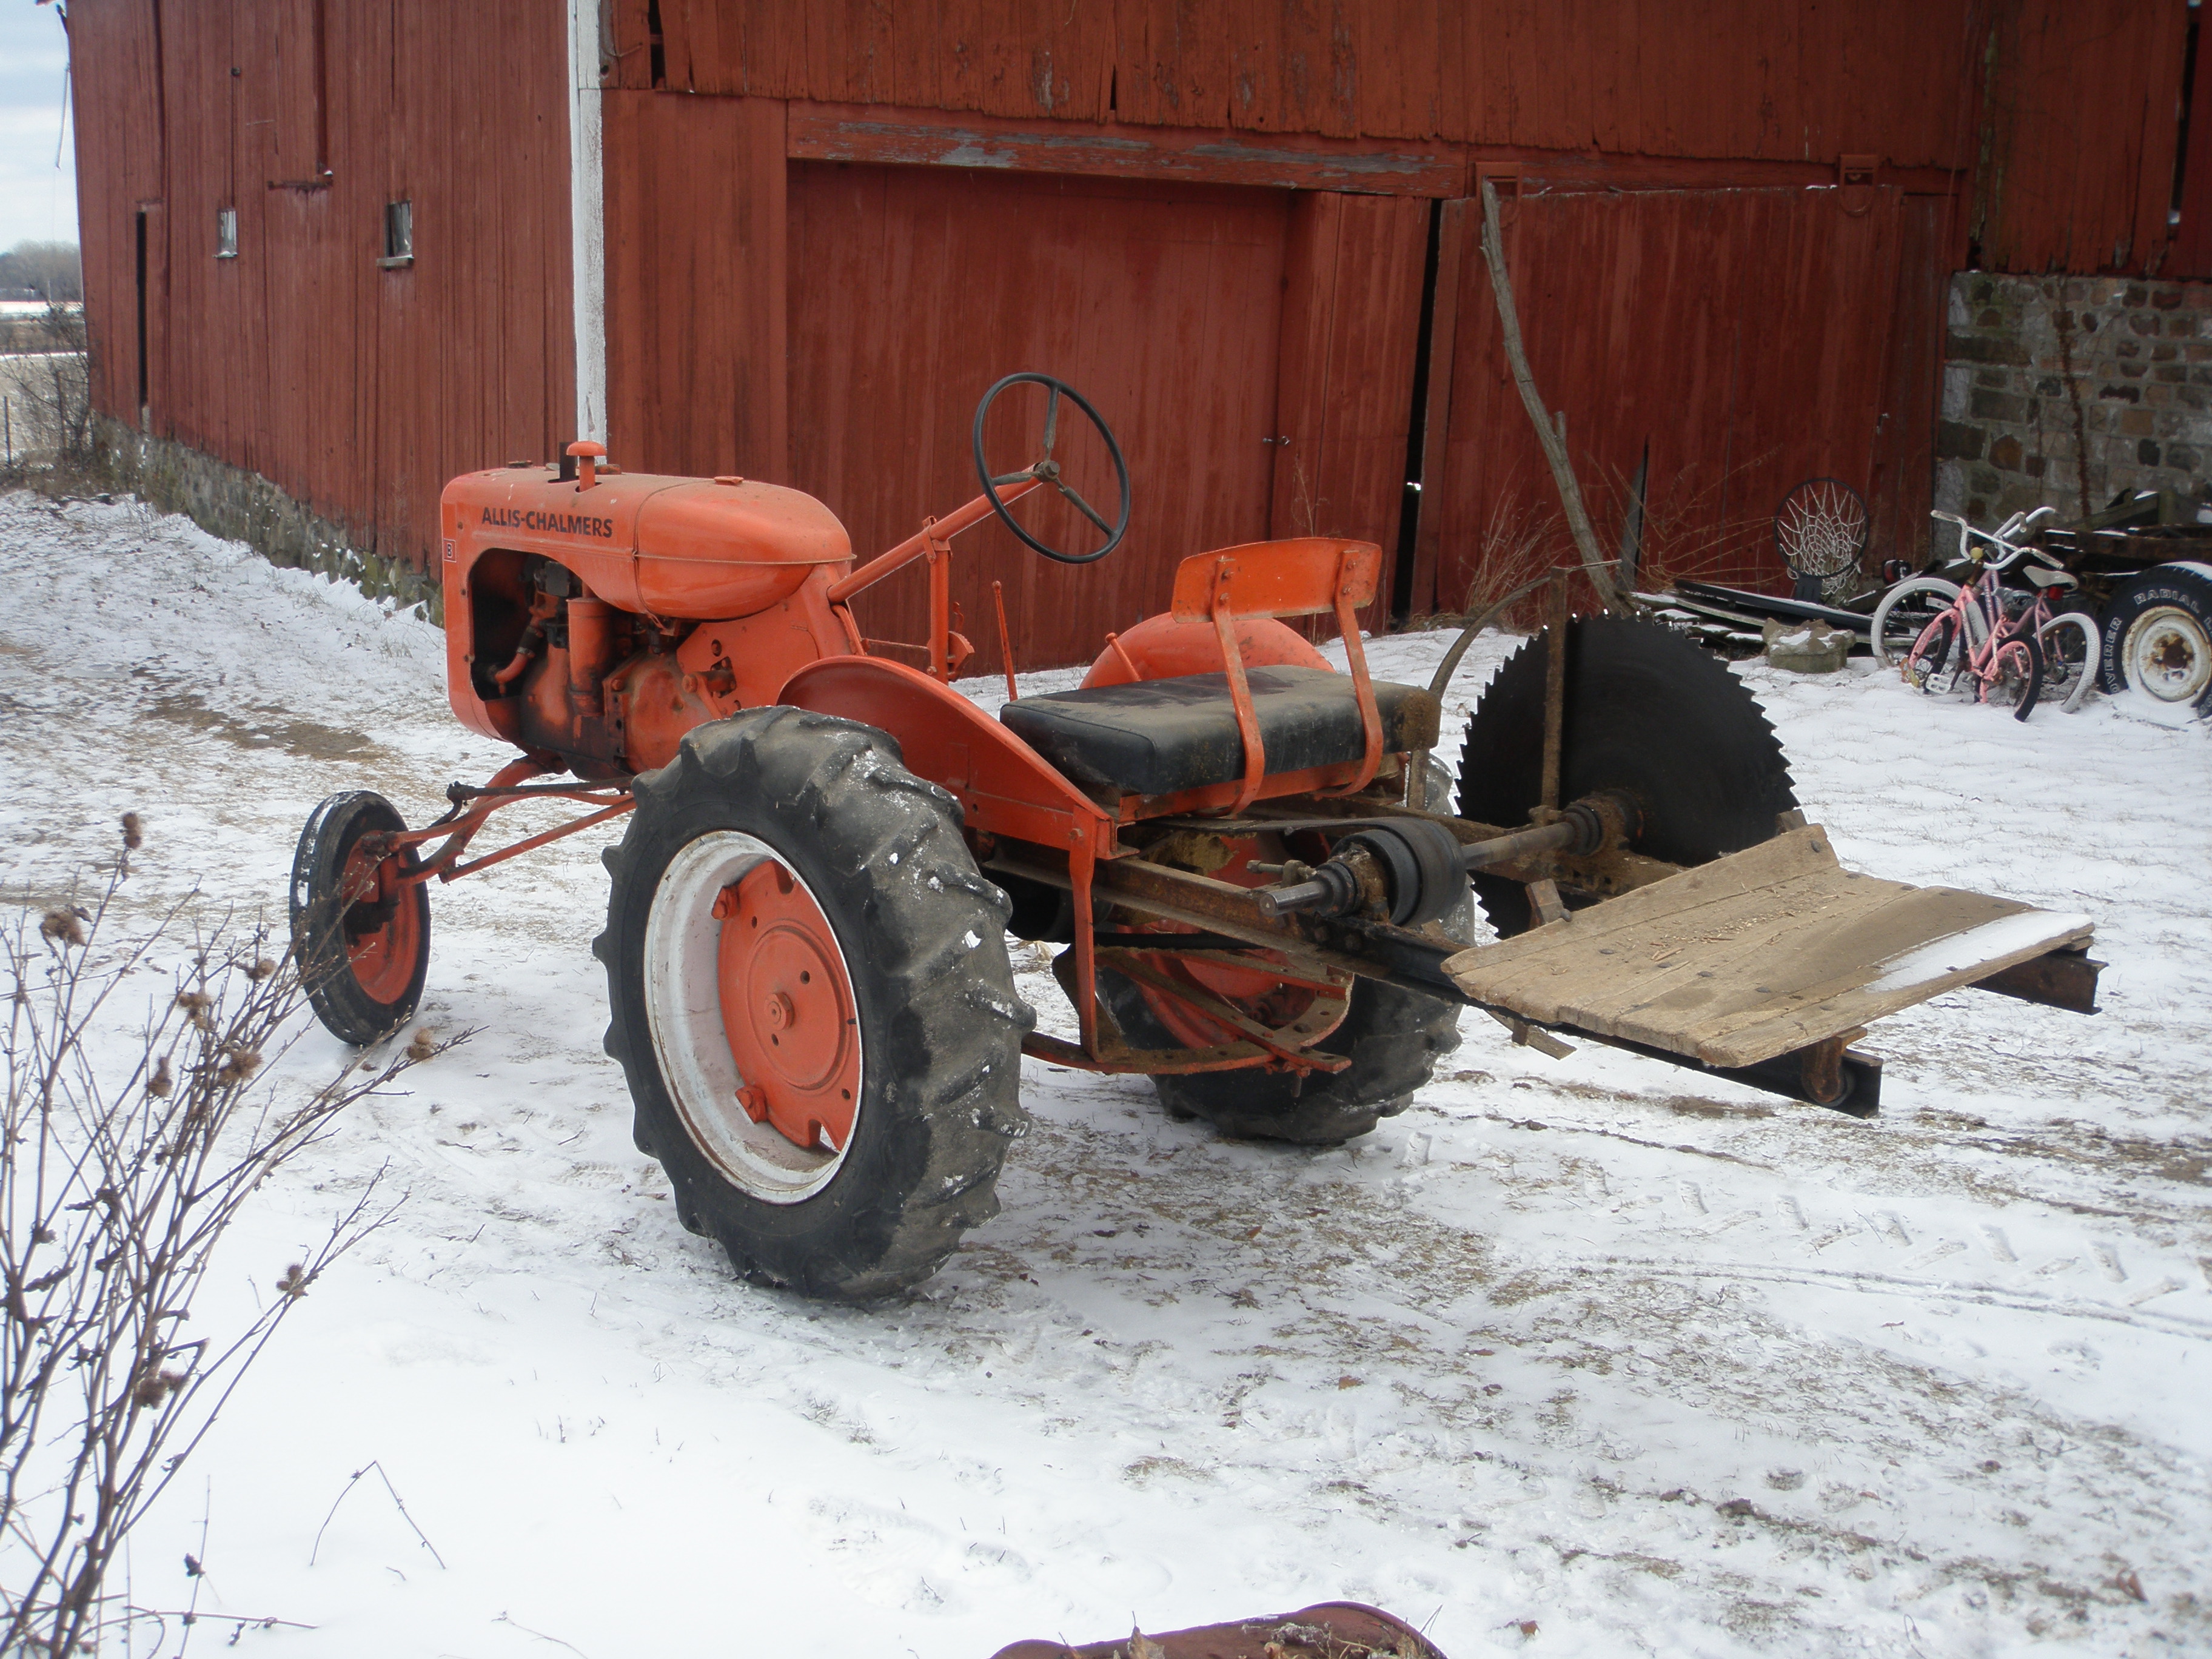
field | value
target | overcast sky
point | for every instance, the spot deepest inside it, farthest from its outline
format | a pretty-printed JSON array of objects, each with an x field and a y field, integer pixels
[{"x": 38, "y": 201}]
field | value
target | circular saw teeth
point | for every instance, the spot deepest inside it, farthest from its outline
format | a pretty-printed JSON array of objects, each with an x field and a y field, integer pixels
[{"x": 1646, "y": 711}]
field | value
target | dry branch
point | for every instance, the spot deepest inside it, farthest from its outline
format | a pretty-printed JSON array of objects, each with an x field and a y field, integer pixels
[
  {"x": 122, "y": 1180},
  {"x": 1549, "y": 433}
]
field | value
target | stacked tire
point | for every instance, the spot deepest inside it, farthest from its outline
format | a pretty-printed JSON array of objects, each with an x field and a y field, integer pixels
[{"x": 2157, "y": 637}]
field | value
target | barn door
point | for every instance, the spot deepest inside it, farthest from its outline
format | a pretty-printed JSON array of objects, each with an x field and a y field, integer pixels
[
  {"x": 1351, "y": 327},
  {"x": 922, "y": 285},
  {"x": 1726, "y": 333}
]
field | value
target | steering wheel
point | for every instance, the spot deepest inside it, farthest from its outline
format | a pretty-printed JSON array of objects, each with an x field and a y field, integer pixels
[{"x": 1046, "y": 470}]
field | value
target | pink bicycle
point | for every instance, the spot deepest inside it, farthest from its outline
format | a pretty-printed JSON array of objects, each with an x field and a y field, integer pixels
[{"x": 1992, "y": 637}]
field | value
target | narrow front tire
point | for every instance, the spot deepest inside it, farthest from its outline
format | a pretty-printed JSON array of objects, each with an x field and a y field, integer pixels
[{"x": 361, "y": 931}]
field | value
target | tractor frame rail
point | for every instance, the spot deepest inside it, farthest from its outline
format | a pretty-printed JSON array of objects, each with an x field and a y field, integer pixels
[
  {"x": 473, "y": 806},
  {"x": 1792, "y": 890}
]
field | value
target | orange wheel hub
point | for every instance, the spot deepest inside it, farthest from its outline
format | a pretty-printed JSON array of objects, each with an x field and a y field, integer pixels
[
  {"x": 383, "y": 930},
  {"x": 787, "y": 1007},
  {"x": 1253, "y": 993}
]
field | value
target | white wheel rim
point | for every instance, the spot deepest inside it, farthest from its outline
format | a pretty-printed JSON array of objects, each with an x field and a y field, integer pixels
[
  {"x": 2076, "y": 678},
  {"x": 684, "y": 1012},
  {"x": 1883, "y": 614},
  {"x": 2167, "y": 655}
]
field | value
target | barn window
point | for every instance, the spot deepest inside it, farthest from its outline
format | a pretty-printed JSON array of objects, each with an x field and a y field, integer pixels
[
  {"x": 399, "y": 234},
  {"x": 226, "y": 232}
]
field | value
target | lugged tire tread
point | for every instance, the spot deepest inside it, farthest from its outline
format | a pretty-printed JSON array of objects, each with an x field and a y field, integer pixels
[
  {"x": 1393, "y": 1037},
  {"x": 955, "y": 1026}
]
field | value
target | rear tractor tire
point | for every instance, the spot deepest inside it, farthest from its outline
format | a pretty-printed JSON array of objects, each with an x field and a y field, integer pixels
[
  {"x": 363, "y": 958},
  {"x": 812, "y": 1003},
  {"x": 1392, "y": 1038}
]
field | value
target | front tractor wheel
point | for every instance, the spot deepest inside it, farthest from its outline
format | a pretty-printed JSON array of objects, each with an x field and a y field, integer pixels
[
  {"x": 360, "y": 933},
  {"x": 812, "y": 1003}
]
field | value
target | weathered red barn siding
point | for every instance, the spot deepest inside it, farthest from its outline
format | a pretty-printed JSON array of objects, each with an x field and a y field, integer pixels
[
  {"x": 358, "y": 391},
  {"x": 1161, "y": 304},
  {"x": 1726, "y": 78},
  {"x": 828, "y": 225},
  {"x": 114, "y": 68},
  {"x": 1350, "y": 334},
  {"x": 1826, "y": 336},
  {"x": 697, "y": 272},
  {"x": 1254, "y": 349},
  {"x": 1728, "y": 332},
  {"x": 2081, "y": 99}
]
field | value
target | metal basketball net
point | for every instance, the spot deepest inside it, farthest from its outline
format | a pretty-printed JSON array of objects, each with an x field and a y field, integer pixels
[{"x": 1822, "y": 529}]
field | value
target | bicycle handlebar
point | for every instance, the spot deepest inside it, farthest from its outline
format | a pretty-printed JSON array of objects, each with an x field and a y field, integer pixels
[{"x": 2011, "y": 550}]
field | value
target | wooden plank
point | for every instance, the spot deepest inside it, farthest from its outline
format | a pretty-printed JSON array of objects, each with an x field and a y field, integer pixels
[
  {"x": 697, "y": 233},
  {"x": 1757, "y": 954},
  {"x": 1899, "y": 485},
  {"x": 911, "y": 137},
  {"x": 1743, "y": 78},
  {"x": 628, "y": 45},
  {"x": 1973, "y": 953},
  {"x": 1784, "y": 858},
  {"x": 1302, "y": 391},
  {"x": 2080, "y": 135}
]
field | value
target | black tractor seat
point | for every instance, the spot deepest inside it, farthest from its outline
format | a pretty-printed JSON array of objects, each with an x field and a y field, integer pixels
[{"x": 1162, "y": 737}]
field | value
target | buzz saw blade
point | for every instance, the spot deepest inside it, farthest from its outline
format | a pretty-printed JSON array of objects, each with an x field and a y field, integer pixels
[{"x": 1646, "y": 712}]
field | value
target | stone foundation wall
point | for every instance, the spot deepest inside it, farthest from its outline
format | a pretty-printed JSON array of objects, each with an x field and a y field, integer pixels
[
  {"x": 241, "y": 505},
  {"x": 2058, "y": 389}
]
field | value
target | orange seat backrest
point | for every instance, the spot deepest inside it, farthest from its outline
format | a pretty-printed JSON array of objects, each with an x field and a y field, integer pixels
[
  {"x": 1304, "y": 576},
  {"x": 1297, "y": 577}
]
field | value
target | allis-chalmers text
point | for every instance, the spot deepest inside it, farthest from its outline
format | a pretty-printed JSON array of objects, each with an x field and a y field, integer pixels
[{"x": 560, "y": 524}]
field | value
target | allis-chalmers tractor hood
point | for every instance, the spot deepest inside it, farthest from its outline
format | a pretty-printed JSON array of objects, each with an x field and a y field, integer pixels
[{"x": 678, "y": 548}]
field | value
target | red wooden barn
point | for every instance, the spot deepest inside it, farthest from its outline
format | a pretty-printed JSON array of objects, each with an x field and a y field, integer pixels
[{"x": 359, "y": 245}]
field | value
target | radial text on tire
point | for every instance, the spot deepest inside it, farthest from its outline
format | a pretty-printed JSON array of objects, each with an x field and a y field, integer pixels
[
  {"x": 362, "y": 938},
  {"x": 812, "y": 1003}
]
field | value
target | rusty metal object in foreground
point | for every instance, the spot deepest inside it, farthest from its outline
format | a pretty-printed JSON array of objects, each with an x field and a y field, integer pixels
[{"x": 1330, "y": 1629}]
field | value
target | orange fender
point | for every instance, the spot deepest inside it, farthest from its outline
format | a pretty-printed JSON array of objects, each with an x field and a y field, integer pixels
[
  {"x": 1160, "y": 647},
  {"x": 1004, "y": 787}
]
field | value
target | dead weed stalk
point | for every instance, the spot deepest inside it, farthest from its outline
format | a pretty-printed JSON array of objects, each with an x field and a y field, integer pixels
[{"x": 133, "y": 1145}]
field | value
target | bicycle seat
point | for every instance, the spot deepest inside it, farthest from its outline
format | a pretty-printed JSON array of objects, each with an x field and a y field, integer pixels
[{"x": 2037, "y": 576}]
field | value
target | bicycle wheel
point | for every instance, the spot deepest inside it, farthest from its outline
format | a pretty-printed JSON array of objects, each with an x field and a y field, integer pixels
[
  {"x": 2070, "y": 657},
  {"x": 2015, "y": 678},
  {"x": 1904, "y": 615},
  {"x": 1932, "y": 666}
]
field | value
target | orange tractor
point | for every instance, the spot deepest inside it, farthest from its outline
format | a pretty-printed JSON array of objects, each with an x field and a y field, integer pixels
[{"x": 810, "y": 991}]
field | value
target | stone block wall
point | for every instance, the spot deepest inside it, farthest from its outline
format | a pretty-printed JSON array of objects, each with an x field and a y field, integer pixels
[
  {"x": 241, "y": 505},
  {"x": 2067, "y": 389}
]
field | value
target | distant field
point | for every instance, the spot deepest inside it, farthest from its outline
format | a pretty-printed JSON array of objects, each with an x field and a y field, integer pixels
[{"x": 27, "y": 392}]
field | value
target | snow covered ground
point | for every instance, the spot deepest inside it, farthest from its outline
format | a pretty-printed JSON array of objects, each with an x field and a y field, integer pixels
[{"x": 1662, "y": 1367}]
